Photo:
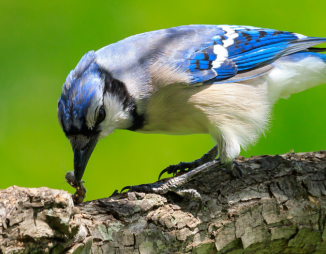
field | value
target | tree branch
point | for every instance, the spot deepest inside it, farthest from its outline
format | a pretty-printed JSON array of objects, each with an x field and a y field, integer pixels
[{"x": 277, "y": 207}]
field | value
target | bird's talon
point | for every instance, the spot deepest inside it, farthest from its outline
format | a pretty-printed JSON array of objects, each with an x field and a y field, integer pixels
[
  {"x": 114, "y": 193},
  {"x": 125, "y": 188},
  {"x": 175, "y": 170},
  {"x": 162, "y": 172}
]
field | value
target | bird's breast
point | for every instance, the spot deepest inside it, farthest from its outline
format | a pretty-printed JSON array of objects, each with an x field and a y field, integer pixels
[{"x": 169, "y": 111}]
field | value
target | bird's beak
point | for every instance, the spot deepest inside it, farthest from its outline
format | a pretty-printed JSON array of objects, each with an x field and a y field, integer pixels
[{"x": 82, "y": 153}]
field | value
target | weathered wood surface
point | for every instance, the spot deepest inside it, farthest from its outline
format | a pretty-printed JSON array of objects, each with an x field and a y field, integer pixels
[{"x": 278, "y": 207}]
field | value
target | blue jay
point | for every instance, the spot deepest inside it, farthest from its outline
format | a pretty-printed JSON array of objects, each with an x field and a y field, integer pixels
[{"x": 220, "y": 80}]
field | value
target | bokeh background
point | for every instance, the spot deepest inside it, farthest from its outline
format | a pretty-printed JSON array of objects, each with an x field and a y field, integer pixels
[{"x": 41, "y": 41}]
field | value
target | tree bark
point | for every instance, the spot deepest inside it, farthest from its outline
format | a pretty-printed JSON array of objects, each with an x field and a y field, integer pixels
[{"x": 277, "y": 207}]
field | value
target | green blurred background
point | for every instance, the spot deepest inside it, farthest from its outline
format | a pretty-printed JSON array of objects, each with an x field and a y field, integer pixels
[{"x": 41, "y": 41}]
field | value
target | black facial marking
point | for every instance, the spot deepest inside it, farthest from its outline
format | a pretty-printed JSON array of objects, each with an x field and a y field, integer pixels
[
  {"x": 83, "y": 131},
  {"x": 116, "y": 87},
  {"x": 119, "y": 89},
  {"x": 138, "y": 119}
]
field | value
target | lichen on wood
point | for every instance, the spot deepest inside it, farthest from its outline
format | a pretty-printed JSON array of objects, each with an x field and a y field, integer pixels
[{"x": 277, "y": 207}]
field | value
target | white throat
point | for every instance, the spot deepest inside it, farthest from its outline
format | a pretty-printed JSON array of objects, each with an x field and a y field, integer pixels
[{"x": 116, "y": 116}]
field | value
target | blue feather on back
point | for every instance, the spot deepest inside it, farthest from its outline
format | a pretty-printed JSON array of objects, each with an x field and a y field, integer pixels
[{"x": 247, "y": 48}]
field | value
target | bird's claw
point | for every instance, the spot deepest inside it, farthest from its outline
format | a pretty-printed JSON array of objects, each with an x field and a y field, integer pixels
[
  {"x": 126, "y": 188},
  {"x": 176, "y": 184},
  {"x": 114, "y": 193},
  {"x": 166, "y": 170},
  {"x": 184, "y": 167},
  {"x": 175, "y": 169}
]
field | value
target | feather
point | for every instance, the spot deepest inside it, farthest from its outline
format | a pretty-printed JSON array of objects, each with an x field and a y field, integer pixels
[{"x": 237, "y": 50}]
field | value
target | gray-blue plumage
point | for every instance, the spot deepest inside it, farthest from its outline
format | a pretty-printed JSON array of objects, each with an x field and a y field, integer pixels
[{"x": 219, "y": 80}]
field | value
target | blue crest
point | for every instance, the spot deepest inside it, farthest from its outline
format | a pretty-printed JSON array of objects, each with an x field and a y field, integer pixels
[{"x": 82, "y": 86}]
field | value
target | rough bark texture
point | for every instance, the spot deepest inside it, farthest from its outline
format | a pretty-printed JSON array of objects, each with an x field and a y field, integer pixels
[{"x": 278, "y": 207}]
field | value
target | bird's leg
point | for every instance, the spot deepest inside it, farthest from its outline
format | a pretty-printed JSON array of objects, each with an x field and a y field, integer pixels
[
  {"x": 195, "y": 169},
  {"x": 182, "y": 166},
  {"x": 175, "y": 184}
]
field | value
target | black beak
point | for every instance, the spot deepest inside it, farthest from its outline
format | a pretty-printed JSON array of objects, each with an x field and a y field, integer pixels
[{"x": 81, "y": 157}]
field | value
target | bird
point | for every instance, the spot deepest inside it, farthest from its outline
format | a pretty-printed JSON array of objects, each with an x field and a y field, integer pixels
[{"x": 221, "y": 80}]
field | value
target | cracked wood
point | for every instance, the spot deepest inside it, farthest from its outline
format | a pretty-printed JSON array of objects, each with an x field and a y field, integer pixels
[{"x": 277, "y": 207}]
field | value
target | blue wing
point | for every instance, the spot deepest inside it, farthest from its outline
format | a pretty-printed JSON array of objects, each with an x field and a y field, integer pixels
[{"x": 238, "y": 50}]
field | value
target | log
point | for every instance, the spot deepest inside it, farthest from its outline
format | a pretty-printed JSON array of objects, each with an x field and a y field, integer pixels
[{"x": 277, "y": 207}]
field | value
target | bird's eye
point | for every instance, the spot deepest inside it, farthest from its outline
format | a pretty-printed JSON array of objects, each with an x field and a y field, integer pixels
[{"x": 101, "y": 115}]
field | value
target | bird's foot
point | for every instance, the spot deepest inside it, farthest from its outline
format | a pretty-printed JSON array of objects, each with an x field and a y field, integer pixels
[
  {"x": 176, "y": 184},
  {"x": 179, "y": 169},
  {"x": 184, "y": 167},
  {"x": 234, "y": 170}
]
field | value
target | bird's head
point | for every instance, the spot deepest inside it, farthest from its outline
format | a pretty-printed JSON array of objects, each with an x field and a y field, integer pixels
[{"x": 92, "y": 105}]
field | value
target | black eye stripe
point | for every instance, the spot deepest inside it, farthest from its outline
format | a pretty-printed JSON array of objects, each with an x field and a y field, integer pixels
[
  {"x": 119, "y": 89},
  {"x": 116, "y": 87}
]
